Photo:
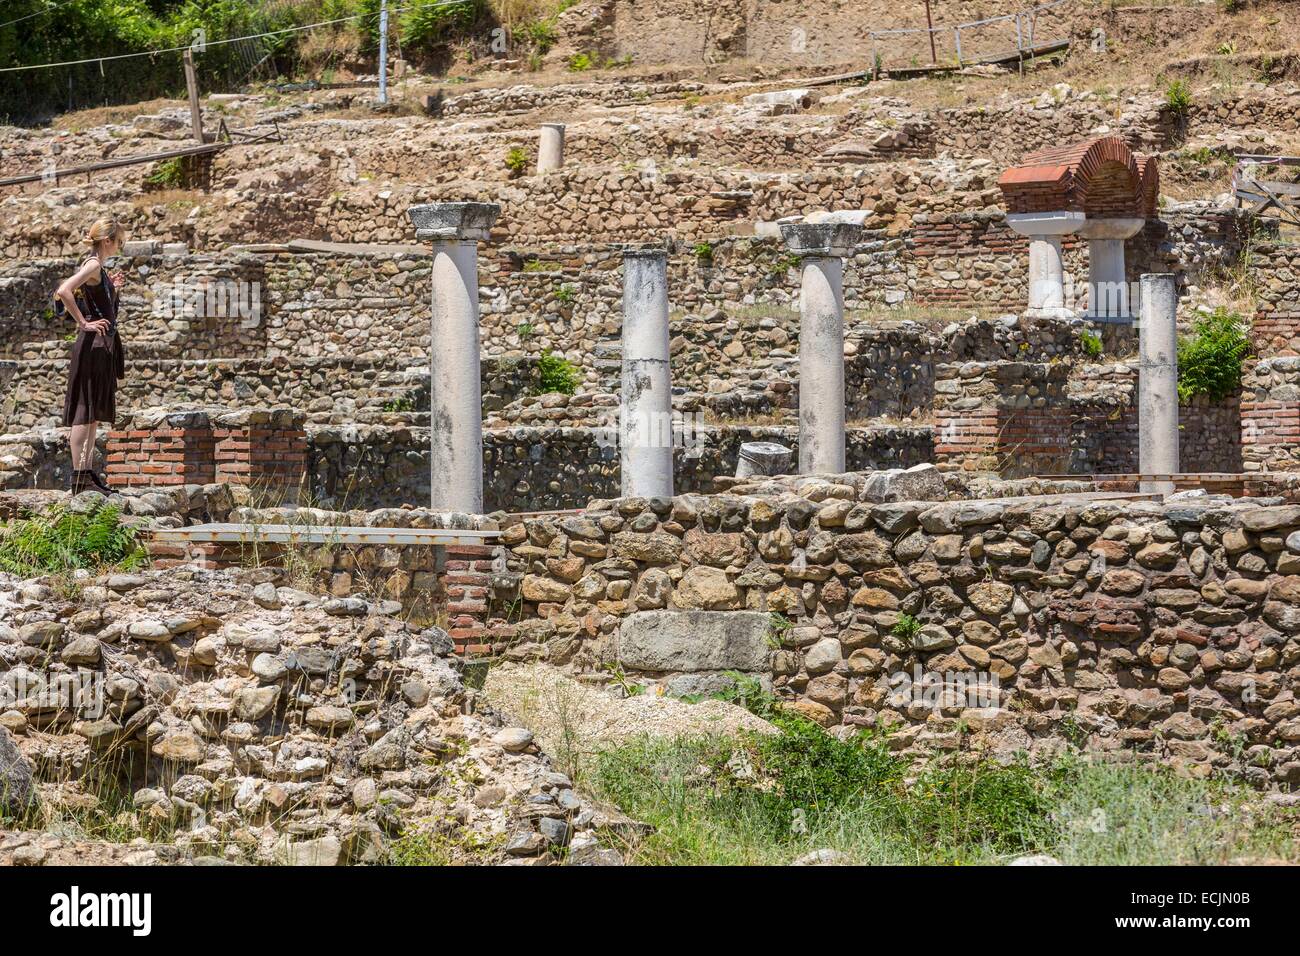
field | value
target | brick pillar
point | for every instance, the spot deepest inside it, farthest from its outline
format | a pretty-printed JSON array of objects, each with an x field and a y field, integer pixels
[
  {"x": 262, "y": 450},
  {"x": 466, "y": 583},
  {"x": 161, "y": 448}
]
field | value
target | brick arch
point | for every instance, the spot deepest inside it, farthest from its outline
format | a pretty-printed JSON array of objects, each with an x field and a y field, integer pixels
[{"x": 1101, "y": 178}]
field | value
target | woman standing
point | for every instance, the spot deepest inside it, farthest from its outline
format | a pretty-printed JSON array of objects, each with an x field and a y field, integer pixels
[{"x": 90, "y": 297}]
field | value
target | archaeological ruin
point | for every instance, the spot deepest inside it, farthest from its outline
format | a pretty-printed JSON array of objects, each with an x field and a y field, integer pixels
[{"x": 780, "y": 378}]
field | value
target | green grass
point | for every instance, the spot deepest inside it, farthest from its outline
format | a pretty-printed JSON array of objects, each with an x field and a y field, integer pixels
[{"x": 757, "y": 800}]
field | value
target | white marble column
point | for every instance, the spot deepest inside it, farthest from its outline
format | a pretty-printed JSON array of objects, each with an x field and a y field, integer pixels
[
  {"x": 646, "y": 405},
  {"x": 455, "y": 396},
  {"x": 1108, "y": 291},
  {"x": 550, "y": 151},
  {"x": 821, "y": 247},
  {"x": 1046, "y": 263},
  {"x": 1158, "y": 381}
]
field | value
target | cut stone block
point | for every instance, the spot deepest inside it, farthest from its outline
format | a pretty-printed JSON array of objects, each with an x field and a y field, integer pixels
[{"x": 695, "y": 640}]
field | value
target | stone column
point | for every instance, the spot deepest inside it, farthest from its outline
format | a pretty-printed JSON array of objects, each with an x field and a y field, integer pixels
[
  {"x": 455, "y": 399},
  {"x": 1158, "y": 381},
  {"x": 646, "y": 408},
  {"x": 1046, "y": 265},
  {"x": 821, "y": 247},
  {"x": 550, "y": 152},
  {"x": 1108, "y": 298}
]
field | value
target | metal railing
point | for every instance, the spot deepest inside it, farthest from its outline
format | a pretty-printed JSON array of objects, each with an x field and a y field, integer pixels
[{"x": 1008, "y": 37}]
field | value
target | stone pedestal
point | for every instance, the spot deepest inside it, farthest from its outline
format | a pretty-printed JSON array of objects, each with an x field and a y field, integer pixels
[
  {"x": 455, "y": 397},
  {"x": 1046, "y": 265},
  {"x": 1158, "y": 382},
  {"x": 821, "y": 248},
  {"x": 1108, "y": 290},
  {"x": 646, "y": 409},
  {"x": 550, "y": 151}
]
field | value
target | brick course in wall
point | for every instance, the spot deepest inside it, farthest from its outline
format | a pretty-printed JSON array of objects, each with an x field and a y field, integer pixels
[{"x": 263, "y": 449}]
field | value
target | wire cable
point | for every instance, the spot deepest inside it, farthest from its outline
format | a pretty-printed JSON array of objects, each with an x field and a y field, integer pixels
[{"x": 47, "y": 9}]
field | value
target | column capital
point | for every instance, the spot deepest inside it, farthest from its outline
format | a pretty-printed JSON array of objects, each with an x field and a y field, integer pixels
[
  {"x": 831, "y": 239},
  {"x": 1042, "y": 224},
  {"x": 468, "y": 221}
]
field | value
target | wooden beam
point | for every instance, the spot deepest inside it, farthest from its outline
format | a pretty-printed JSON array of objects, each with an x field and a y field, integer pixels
[{"x": 203, "y": 150}]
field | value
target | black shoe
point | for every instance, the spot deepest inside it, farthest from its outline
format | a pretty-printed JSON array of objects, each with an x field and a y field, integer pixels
[
  {"x": 99, "y": 483},
  {"x": 80, "y": 482}
]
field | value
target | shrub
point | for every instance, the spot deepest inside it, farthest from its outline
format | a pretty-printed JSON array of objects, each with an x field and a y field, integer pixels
[
  {"x": 704, "y": 251},
  {"x": 516, "y": 161},
  {"x": 61, "y": 540},
  {"x": 169, "y": 174},
  {"x": 1210, "y": 359},
  {"x": 580, "y": 63},
  {"x": 1178, "y": 96},
  {"x": 566, "y": 294},
  {"x": 557, "y": 374},
  {"x": 539, "y": 34}
]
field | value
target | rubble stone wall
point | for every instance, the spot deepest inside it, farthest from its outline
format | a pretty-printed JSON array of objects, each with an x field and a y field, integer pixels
[
  {"x": 1170, "y": 629},
  {"x": 537, "y": 468}
]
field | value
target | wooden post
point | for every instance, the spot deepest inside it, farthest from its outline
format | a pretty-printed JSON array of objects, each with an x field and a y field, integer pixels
[
  {"x": 929, "y": 27},
  {"x": 192, "y": 86}
]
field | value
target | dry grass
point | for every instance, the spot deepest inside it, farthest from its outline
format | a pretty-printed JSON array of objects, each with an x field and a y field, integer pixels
[{"x": 106, "y": 115}]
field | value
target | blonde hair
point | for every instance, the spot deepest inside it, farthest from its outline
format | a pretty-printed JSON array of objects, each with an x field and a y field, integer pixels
[{"x": 103, "y": 230}]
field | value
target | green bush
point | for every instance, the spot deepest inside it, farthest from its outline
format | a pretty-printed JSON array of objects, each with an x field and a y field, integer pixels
[
  {"x": 61, "y": 540},
  {"x": 1091, "y": 343},
  {"x": 516, "y": 161},
  {"x": 580, "y": 63},
  {"x": 704, "y": 251},
  {"x": 1178, "y": 96},
  {"x": 169, "y": 174},
  {"x": 556, "y": 374},
  {"x": 424, "y": 26},
  {"x": 1210, "y": 359}
]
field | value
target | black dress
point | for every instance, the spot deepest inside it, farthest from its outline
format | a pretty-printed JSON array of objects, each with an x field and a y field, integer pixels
[{"x": 97, "y": 359}]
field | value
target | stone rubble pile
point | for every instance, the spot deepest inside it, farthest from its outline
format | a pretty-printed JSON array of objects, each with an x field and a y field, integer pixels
[{"x": 265, "y": 725}]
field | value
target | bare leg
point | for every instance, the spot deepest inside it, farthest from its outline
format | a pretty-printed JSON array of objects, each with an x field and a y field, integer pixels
[
  {"x": 77, "y": 441},
  {"x": 88, "y": 451}
]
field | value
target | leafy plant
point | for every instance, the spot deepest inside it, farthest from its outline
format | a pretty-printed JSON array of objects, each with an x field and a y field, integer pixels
[
  {"x": 168, "y": 174},
  {"x": 906, "y": 627},
  {"x": 1091, "y": 343},
  {"x": 399, "y": 404},
  {"x": 580, "y": 63},
  {"x": 556, "y": 374},
  {"x": 1178, "y": 97},
  {"x": 1210, "y": 359},
  {"x": 61, "y": 540},
  {"x": 566, "y": 294},
  {"x": 516, "y": 161},
  {"x": 704, "y": 251},
  {"x": 538, "y": 265},
  {"x": 429, "y": 24}
]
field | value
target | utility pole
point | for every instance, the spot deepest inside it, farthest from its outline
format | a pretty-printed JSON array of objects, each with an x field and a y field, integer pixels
[
  {"x": 383, "y": 51},
  {"x": 929, "y": 29}
]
